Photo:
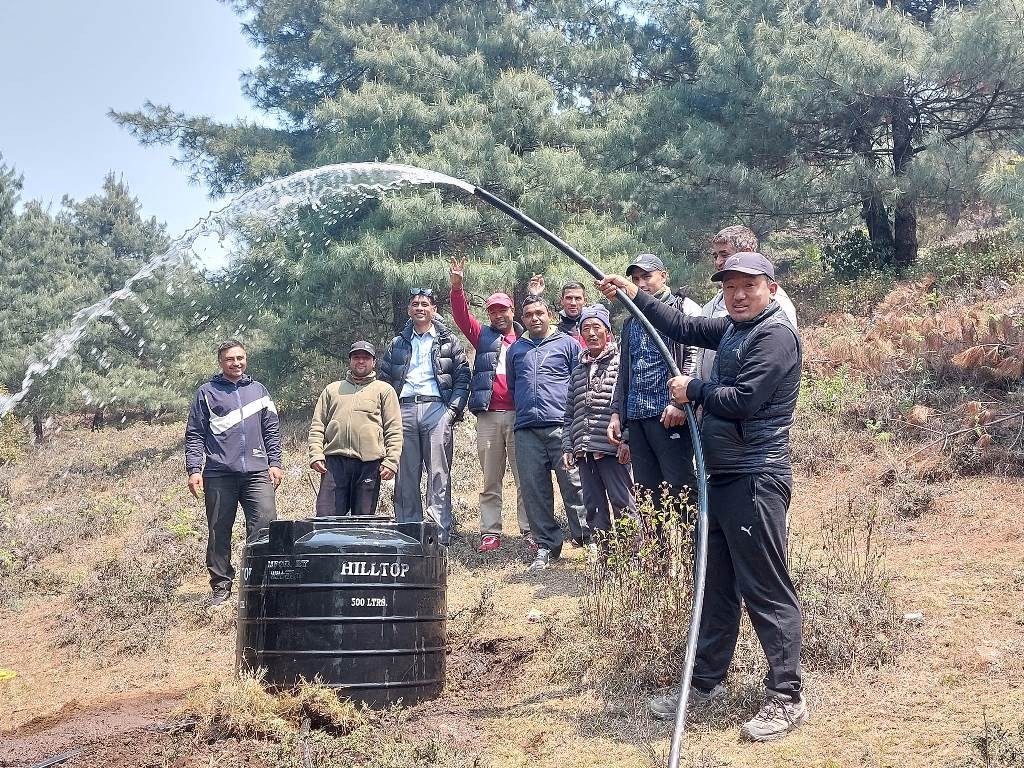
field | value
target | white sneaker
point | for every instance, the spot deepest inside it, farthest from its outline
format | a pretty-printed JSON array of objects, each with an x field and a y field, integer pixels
[
  {"x": 779, "y": 715},
  {"x": 542, "y": 560}
]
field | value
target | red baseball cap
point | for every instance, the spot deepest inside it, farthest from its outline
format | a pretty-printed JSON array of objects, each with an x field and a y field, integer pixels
[{"x": 498, "y": 300}]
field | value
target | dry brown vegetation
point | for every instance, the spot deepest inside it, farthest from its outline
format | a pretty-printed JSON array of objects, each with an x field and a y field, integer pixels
[{"x": 103, "y": 625}]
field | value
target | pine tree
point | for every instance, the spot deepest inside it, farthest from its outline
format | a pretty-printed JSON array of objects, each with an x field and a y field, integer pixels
[
  {"x": 507, "y": 95},
  {"x": 57, "y": 264},
  {"x": 816, "y": 111}
]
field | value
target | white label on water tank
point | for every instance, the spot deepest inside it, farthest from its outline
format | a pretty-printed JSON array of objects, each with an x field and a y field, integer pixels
[
  {"x": 369, "y": 602},
  {"x": 363, "y": 568}
]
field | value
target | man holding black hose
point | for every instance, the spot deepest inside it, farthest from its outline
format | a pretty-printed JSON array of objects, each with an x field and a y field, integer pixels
[{"x": 748, "y": 401}]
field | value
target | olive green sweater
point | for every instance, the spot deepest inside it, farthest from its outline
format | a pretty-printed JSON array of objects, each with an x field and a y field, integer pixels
[{"x": 359, "y": 421}]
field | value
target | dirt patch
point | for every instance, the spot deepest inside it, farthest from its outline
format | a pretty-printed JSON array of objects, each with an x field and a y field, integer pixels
[{"x": 74, "y": 727}]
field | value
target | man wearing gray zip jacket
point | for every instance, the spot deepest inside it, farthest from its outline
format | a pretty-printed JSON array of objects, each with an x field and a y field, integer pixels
[
  {"x": 232, "y": 456},
  {"x": 748, "y": 402}
]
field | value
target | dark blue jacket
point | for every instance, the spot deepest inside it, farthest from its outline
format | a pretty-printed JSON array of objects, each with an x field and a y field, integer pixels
[
  {"x": 485, "y": 367},
  {"x": 232, "y": 428},
  {"x": 451, "y": 369},
  {"x": 538, "y": 378}
]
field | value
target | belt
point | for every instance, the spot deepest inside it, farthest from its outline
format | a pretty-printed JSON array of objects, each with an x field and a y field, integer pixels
[{"x": 420, "y": 399}]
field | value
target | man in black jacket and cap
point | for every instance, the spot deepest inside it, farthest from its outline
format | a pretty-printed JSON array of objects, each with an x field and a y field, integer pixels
[{"x": 748, "y": 403}]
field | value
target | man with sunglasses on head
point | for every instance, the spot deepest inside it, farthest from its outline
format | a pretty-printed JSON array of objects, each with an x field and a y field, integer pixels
[
  {"x": 426, "y": 364},
  {"x": 491, "y": 402}
]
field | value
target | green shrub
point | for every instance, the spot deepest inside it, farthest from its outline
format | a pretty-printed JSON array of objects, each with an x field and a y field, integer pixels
[
  {"x": 968, "y": 259},
  {"x": 817, "y": 290},
  {"x": 852, "y": 254},
  {"x": 997, "y": 746}
]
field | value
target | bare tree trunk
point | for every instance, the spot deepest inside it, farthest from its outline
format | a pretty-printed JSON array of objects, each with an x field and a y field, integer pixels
[
  {"x": 400, "y": 310},
  {"x": 905, "y": 210},
  {"x": 905, "y": 230},
  {"x": 873, "y": 210},
  {"x": 37, "y": 427},
  {"x": 876, "y": 219}
]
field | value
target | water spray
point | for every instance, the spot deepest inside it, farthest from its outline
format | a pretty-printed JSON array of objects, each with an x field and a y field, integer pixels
[
  {"x": 698, "y": 454},
  {"x": 275, "y": 203}
]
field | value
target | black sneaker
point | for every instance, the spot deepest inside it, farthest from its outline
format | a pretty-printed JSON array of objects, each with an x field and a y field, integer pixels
[{"x": 219, "y": 597}]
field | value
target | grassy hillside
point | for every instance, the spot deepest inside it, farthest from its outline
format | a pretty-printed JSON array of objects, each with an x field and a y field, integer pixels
[{"x": 906, "y": 532}]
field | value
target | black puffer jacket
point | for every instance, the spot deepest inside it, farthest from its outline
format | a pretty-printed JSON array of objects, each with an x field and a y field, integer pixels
[
  {"x": 451, "y": 368},
  {"x": 751, "y": 396},
  {"x": 570, "y": 326},
  {"x": 589, "y": 407}
]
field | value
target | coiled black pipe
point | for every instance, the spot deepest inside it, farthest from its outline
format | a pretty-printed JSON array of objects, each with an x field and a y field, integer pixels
[{"x": 700, "y": 570}]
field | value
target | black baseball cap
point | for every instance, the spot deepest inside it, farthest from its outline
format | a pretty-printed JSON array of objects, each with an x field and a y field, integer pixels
[
  {"x": 363, "y": 346},
  {"x": 747, "y": 262},
  {"x": 648, "y": 262}
]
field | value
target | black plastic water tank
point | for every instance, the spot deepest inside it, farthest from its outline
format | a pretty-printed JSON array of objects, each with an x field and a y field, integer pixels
[{"x": 358, "y": 602}]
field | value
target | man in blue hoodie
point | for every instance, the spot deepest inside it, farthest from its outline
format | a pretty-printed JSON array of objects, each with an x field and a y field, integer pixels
[
  {"x": 233, "y": 456},
  {"x": 539, "y": 366}
]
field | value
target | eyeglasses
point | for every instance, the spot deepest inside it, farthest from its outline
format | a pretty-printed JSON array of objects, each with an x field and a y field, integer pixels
[{"x": 428, "y": 292}]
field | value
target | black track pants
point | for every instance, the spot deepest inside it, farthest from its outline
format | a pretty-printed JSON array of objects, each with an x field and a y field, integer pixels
[
  {"x": 350, "y": 487},
  {"x": 223, "y": 494},
  {"x": 661, "y": 456},
  {"x": 747, "y": 558}
]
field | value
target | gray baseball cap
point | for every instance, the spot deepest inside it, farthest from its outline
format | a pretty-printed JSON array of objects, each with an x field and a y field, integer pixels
[
  {"x": 648, "y": 262},
  {"x": 363, "y": 346},
  {"x": 747, "y": 262}
]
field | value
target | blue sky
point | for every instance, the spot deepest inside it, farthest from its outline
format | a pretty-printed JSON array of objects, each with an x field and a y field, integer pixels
[{"x": 66, "y": 62}]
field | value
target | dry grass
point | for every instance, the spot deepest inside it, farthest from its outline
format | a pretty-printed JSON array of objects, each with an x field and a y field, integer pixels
[
  {"x": 636, "y": 608},
  {"x": 638, "y": 596},
  {"x": 850, "y": 619},
  {"x": 310, "y": 727},
  {"x": 125, "y": 606}
]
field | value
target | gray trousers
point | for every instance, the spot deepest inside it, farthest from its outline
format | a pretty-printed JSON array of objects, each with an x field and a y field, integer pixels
[
  {"x": 427, "y": 445},
  {"x": 538, "y": 452},
  {"x": 607, "y": 490},
  {"x": 222, "y": 495}
]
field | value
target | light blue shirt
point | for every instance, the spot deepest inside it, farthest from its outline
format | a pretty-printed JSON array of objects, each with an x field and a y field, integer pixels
[{"x": 419, "y": 379}]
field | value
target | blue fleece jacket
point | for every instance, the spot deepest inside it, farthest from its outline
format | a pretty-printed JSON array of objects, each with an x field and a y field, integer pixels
[
  {"x": 232, "y": 428},
  {"x": 538, "y": 378}
]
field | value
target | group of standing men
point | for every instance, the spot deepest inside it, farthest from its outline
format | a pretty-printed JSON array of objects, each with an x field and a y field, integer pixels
[{"x": 568, "y": 398}]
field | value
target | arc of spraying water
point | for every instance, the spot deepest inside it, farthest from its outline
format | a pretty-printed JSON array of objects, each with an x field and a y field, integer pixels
[{"x": 700, "y": 570}]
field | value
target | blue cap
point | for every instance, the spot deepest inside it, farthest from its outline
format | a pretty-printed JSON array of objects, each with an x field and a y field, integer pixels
[{"x": 596, "y": 310}]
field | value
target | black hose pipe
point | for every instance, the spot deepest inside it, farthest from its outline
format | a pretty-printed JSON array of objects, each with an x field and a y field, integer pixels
[{"x": 700, "y": 570}]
